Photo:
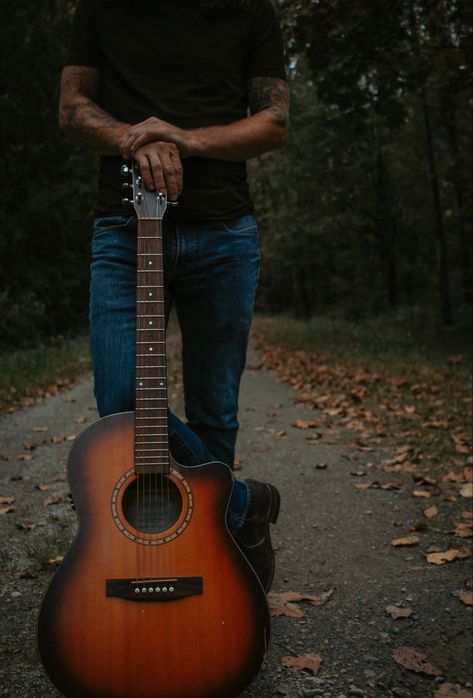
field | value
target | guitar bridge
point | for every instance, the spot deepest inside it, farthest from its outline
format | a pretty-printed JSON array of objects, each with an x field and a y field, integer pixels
[{"x": 154, "y": 588}]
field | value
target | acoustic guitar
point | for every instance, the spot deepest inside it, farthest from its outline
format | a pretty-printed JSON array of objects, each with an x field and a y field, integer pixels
[{"x": 154, "y": 599}]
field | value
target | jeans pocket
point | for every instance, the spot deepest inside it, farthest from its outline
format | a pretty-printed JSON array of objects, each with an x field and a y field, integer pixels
[
  {"x": 109, "y": 224},
  {"x": 245, "y": 225}
]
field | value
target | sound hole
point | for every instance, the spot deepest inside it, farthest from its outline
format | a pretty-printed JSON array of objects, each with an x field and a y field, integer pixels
[{"x": 152, "y": 503}]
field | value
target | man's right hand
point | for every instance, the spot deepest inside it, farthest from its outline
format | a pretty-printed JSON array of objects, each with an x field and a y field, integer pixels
[{"x": 161, "y": 168}]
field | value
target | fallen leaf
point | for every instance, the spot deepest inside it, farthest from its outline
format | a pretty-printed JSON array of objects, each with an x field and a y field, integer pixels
[
  {"x": 431, "y": 512},
  {"x": 464, "y": 530},
  {"x": 395, "y": 612},
  {"x": 444, "y": 556},
  {"x": 24, "y": 456},
  {"x": 321, "y": 466},
  {"x": 308, "y": 661},
  {"x": 467, "y": 490},
  {"x": 283, "y": 604},
  {"x": 301, "y": 424},
  {"x": 448, "y": 690},
  {"x": 413, "y": 660},
  {"x": 466, "y": 597},
  {"x": 26, "y": 527},
  {"x": 54, "y": 500},
  {"x": 407, "y": 540},
  {"x": 43, "y": 488},
  {"x": 56, "y": 560},
  {"x": 7, "y": 500},
  {"x": 6, "y": 510},
  {"x": 41, "y": 429},
  {"x": 421, "y": 493}
]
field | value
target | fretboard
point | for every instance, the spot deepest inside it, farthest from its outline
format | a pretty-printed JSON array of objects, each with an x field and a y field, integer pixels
[{"x": 151, "y": 423}]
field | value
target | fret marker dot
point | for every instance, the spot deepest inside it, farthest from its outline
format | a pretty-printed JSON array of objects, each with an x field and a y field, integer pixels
[
  {"x": 151, "y": 348},
  {"x": 141, "y": 384},
  {"x": 150, "y": 322},
  {"x": 150, "y": 294},
  {"x": 150, "y": 264}
]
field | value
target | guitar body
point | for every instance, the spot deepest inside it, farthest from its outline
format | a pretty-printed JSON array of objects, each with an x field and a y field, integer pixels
[{"x": 139, "y": 613}]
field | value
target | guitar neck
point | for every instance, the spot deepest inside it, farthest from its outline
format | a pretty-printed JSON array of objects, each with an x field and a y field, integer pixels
[{"x": 151, "y": 422}]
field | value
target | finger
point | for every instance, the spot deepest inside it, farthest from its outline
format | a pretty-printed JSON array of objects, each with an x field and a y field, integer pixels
[
  {"x": 140, "y": 139},
  {"x": 157, "y": 172},
  {"x": 176, "y": 162},
  {"x": 170, "y": 172},
  {"x": 145, "y": 171}
]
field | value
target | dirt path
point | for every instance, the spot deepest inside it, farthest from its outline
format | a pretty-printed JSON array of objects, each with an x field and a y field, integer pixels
[{"x": 331, "y": 537}]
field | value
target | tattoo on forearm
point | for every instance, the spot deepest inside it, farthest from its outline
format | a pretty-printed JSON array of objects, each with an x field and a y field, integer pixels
[
  {"x": 82, "y": 117},
  {"x": 271, "y": 94}
]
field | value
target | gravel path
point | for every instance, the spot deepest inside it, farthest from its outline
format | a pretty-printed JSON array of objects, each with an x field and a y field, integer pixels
[{"x": 331, "y": 537}]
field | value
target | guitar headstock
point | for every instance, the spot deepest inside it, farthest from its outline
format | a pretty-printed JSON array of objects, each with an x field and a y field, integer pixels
[{"x": 150, "y": 205}]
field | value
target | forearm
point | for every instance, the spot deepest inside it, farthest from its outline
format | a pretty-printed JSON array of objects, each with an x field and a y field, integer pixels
[
  {"x": 240, "y": 140},
  {"x": 92, "y": 126},
  {"x": 82, "y": 118},
  {"x": 264, "y": 130}
]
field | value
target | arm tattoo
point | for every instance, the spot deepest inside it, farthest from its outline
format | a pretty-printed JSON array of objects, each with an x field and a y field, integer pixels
[
  {"x": 271, "y": 94},
  {"x": 80, "y": 115}
]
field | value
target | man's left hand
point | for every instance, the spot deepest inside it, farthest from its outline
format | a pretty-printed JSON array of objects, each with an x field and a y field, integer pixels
[{"x": 150, "y": 130}]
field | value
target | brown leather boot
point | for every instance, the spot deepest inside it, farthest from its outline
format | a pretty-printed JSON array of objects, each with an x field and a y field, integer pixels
[{"x": 253, "y": 537}]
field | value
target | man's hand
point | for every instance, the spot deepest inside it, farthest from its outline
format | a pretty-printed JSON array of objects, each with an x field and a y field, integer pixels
[
  {"x": 150, "y": 130},
  {"x": 161, "y": 168}
]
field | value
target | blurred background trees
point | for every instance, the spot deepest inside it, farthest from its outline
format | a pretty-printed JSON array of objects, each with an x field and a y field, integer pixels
[{"x": 367, "y": 210}]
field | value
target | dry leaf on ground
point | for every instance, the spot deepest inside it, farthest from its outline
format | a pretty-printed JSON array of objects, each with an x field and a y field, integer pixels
[
  {"x": 467, "y": 490},
  {"x": 467, "y": 598},
  {"x": 284, "y": 604},
  {"x": 448, "y": 690},
  {"x": 395, "y": 612},
  {"x": 54, "y": 500},
  {"x": 464, "y": 529},
  {"x": 440, "y": 558},
  {"x": 6, "y": 510},
  {"x": 56, "y": 560},
  {"x": 407, "y": 540},
  {"x": 431, "y": 512},
  {"x": 308, "y": 661},
  {"x": 301, "y": 424},
  {"x": 7, "y": 500},
  {"x": 413, "y": 660}
]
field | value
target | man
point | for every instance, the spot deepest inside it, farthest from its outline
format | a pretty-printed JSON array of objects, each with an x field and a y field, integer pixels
[{"x": 190, "y": 89}]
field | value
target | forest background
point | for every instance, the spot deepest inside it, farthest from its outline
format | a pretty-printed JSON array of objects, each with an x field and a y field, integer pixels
[{"x": 365, "y": 214}]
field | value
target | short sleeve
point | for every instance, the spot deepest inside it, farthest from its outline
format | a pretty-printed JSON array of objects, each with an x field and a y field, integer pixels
[
  {"x": 84, "y": 45},
  {"x": 266, "y": 58}
]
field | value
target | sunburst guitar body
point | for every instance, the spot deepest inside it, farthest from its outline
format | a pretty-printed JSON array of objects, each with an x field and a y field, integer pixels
[{"x": 154, "y": 598}]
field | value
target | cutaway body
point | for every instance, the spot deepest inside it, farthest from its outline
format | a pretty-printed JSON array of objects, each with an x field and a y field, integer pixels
[{"x": 176, "y": 613}]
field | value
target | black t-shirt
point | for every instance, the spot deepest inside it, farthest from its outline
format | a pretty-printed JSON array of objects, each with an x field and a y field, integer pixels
[{"x": 169, "y": 59}]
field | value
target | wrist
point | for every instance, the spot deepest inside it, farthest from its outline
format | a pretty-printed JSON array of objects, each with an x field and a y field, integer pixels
[{"x": 192, "y": 143}]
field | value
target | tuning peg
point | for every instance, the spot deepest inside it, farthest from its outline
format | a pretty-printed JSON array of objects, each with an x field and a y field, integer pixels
[
  {"x": 125, "y": 170},
  {"x": 126, "y": 185},
  {"x": 173, "y": 203},
  {"x": 127, "y": 201}
]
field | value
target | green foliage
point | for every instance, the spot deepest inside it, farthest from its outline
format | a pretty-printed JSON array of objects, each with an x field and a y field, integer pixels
[
  {"x": 369, "y": 205},
  {"x": 46, "y": 193}
]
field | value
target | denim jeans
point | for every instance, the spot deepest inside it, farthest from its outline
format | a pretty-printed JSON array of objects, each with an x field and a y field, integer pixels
[{"x": 210, "y": 275}]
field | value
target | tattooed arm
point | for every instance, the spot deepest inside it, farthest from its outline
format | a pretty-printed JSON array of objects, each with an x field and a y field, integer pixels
[
  {"x": 265, "y": 129},
  {"x": 81, "y": 117}
]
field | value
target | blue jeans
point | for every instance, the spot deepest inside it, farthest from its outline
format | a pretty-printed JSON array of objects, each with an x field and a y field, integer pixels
[{"x": 210, "y": 275}]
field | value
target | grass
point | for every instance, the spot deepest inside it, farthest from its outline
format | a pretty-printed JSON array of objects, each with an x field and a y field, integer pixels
[
  {"x": 27, "y": 374},
  {"x": 405, "y": 336}
]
